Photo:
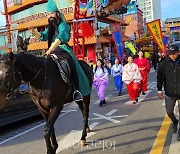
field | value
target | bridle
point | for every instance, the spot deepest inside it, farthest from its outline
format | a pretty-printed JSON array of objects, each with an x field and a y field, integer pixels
[{"x": 13, "y": 91}]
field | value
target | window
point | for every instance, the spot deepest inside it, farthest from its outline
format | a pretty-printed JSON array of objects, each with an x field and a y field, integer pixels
[
  {"x": 30, "y": 11},
  {"x": 3, "y": 40}
]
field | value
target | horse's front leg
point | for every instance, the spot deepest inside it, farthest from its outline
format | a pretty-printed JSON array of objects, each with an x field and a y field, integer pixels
[
  {"x": 49, "y": 130},
  {"x": 84, "y": 106},
  {"x": 53, "y": 140}
]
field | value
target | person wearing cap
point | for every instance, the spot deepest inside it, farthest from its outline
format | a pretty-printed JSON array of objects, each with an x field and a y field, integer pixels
[
  {"x": 168, "y": 75},
  {"x": 58, "y": 34}
]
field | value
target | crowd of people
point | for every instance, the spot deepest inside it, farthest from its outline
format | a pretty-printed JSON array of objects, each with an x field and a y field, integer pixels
[{"x": 133, "y": 73}]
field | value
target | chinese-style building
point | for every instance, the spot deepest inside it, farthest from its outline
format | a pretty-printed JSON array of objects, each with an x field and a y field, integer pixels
[{"x": 32, "y": 13}]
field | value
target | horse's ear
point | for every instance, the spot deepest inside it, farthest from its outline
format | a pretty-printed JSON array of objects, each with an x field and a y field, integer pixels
[{"x": 11, "y": 56}]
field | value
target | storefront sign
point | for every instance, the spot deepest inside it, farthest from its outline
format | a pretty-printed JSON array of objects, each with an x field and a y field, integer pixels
[{"x": 131, "y": 9}]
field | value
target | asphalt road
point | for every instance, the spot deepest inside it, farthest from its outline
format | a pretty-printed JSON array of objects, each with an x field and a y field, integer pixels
[{"x": 117, "y": 127}]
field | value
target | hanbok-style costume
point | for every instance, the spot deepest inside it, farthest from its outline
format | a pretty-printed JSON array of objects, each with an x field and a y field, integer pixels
[
  {"x": 100, "y": 82},
  {"x": 116, "y": 71},
  {"x": 132, "y": 78},
  {"x": 143, "y": 63}
]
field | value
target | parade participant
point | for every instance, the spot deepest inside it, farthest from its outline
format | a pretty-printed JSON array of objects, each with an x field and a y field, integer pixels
[
  {"x": 168, "y": 75},
  {"x": 116, "y": 71},
  {"x": 144, "y": 67},
  {"x": 58, "y": 34},
  {"x": 100, "y": 80},
  {"x": 131, "y": 76}
]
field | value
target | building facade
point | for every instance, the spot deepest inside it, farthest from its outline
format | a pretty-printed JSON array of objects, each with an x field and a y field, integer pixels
[
  {"x": 172, "y": 28},
  {"x": 33, "y": 13},
  {"x": 134, "y": 18},
  {"x": 151, "y": 9}
]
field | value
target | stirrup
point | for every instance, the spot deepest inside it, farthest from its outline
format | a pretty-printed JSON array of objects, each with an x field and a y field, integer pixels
[{"x": 79, "y": 98}]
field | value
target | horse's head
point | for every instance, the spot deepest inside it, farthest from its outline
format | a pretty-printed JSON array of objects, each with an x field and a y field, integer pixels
[{"x": 10, "y": 79}]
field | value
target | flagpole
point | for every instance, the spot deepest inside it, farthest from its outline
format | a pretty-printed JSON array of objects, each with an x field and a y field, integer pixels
[{"x": 7, "y": 26}]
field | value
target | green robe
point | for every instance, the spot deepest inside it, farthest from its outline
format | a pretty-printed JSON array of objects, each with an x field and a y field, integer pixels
[{"x": 64, "y": 36}]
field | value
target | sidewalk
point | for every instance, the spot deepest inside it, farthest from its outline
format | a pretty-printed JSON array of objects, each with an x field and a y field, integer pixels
[{"x": 175, "y": 145}]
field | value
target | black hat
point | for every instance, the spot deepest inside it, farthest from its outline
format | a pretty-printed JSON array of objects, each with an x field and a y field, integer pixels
[{"x": 172, "y": 49}]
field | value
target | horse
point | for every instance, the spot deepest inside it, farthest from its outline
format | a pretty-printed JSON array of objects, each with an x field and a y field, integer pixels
[{"x": 47, "y": 89}]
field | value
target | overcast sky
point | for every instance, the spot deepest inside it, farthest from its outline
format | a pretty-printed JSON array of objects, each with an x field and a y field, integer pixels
[{"x": 170, "y": 9}]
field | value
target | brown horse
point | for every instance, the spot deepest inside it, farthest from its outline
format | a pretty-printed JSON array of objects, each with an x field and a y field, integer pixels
[{"x": 47, "y": 89}]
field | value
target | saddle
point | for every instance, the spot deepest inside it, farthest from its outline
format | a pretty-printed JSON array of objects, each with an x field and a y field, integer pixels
[{"x": 63, "y": 67}]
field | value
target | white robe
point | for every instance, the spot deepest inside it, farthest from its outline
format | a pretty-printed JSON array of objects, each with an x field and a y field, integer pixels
[
  {"x": 116, "y": 69},
  {"x": 131, "y": 73}
]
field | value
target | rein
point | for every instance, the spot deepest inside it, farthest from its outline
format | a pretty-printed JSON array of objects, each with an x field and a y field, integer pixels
[{"x": 14, "y": 91}]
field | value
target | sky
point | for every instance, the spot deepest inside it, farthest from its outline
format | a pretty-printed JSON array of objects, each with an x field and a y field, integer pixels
[{"x": 169, "y": 9}]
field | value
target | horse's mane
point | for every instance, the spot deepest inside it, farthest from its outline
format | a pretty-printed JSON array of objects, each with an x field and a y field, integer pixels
[{"x": 29, "y": 59}]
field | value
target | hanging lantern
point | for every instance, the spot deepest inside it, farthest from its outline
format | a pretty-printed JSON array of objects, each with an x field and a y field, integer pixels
[{"x": 17, "y": 2}]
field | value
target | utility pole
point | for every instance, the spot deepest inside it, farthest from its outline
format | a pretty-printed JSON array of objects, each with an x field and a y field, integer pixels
[{"x": 7, "y": 26}]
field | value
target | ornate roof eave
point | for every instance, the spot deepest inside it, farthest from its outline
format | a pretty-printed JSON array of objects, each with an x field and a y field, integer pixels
[{"x": 116, "y": 4}]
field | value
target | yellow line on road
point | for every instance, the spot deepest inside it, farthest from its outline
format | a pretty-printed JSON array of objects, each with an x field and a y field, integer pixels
[{"x": 158, "y": 145}]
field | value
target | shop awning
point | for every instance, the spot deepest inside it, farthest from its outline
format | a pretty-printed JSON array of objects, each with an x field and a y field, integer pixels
[
  {"x": 112, "y": 19},
  {"x": 38, "y": 46},
  {"x": 33, "y": 23},
  {"x": 44, "y": 45},
  {"x": 40, "y": 22}
]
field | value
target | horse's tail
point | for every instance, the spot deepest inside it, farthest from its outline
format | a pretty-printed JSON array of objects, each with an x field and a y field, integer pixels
[{"x": 88, "y": 71}]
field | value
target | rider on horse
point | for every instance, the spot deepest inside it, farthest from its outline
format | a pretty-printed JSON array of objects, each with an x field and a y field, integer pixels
[{"x": 58, "y": 34}]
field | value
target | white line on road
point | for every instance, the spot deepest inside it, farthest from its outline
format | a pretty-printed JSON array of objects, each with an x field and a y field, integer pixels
[
  {"x": 111, "y": 112},
  {"x": 141, "y": 98},
  {"x": 121, "y": 116},
  {"x": 73, "y": 138},
  {"x": 28, "y": 130},
  {"x": 106, "y": 118}
]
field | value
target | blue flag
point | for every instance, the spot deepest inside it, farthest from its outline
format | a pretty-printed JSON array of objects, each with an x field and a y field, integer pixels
[
  {"x": 119, "y": 44},
  {"x": 165, "y": 40}
]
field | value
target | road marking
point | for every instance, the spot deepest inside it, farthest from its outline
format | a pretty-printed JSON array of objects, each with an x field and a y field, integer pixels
[
  {"x": 161, "y": 136},
  {"x": 140, "y": 99},
  {"x": 98, "y": 101},
  {"x": 106, "y": 118},
  {"x": 150, "y": 84},
  {"x": 31, "y": 129},
  {"x": 73, "y": 138},
  {"x": 111, "y": 112},
  {"x": 121, "y": 116}
]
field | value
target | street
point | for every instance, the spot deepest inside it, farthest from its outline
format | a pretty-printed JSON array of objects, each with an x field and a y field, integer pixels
[{"x": 117, "y": 127}]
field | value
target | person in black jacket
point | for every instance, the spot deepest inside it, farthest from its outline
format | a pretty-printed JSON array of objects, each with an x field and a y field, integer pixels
[{"x": 168, "y": 75}]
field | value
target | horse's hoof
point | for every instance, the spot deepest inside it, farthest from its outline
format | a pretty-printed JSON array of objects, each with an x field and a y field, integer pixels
[
  {"x": 88, "y": 130},
  {"x": 82, "y": 143}
]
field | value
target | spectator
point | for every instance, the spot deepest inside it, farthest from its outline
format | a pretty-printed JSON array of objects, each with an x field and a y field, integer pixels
[{"x": 168, "y": 75}]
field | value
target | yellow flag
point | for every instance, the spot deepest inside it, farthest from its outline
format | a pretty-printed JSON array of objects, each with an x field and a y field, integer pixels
[
  {"x": 131, "y": 47},
  {"x": 155, "y": 30}
]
